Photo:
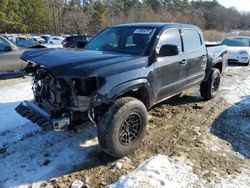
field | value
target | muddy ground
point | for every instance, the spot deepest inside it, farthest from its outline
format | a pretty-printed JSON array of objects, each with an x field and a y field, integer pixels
[{"x": 204, "y": 132}]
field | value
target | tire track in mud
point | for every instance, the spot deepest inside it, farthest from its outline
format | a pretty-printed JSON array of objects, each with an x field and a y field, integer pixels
[{"x": 205, "y": 161}]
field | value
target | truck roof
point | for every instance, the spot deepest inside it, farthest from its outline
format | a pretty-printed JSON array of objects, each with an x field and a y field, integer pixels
[{"x": 156, "y": 24}]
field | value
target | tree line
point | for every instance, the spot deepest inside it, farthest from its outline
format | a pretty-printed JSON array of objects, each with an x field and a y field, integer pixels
[{"x": 90, "y": 16}]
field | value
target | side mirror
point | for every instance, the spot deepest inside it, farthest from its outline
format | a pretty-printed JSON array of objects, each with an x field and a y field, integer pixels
[
  {"x": 8, "y": 48},
  {"x": 81, "y": 44},
  {"x": 168, "y": 50}
]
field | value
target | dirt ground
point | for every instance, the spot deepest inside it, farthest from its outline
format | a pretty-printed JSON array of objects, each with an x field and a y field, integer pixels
[
  {"x": 205, "y": 132},
  {"x": 185, "y": 126}
]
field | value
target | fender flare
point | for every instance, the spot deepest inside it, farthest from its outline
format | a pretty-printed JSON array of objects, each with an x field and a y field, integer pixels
[{"x": 129, "y": 86}]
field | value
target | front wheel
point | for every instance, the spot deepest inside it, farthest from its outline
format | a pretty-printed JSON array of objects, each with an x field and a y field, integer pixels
[
  {"x": 210, "y": 88},
  {"x": 122, "y": 127}
]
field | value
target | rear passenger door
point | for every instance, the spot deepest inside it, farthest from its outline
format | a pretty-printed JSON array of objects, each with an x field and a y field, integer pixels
[
  {"x": 195, "y": 54},
  {"x": 169, "y": 69}
]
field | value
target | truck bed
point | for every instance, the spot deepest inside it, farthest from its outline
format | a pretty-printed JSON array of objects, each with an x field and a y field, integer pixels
[{"x": 218, "y": 53}]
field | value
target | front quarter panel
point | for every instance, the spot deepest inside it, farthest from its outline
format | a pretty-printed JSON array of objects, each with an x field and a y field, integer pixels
[{"x": 123, "y": 81}]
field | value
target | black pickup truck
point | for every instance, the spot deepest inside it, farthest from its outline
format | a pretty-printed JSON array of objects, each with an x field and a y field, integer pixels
[{"x": 122, "y": 72}]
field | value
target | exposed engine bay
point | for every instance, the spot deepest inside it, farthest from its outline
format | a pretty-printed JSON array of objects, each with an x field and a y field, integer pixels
[{"x": 68, "y": 101}]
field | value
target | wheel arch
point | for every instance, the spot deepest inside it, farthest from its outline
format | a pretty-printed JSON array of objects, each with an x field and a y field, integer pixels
[
  {"x": 218, "y": 65},
  {"x": 139, "y": 89}
]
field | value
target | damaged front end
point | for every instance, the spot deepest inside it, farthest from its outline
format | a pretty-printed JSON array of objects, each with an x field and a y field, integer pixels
[{"x": 61, "y": 102}]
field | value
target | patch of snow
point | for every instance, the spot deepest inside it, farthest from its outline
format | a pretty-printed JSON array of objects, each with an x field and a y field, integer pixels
[
  {"x": 159, "y": 171},
  {"x": 10, "y": 97},
  {"x": 236, "y": 90},
  {"x": 16, "y": 92},
  {"x": 240, "y": 181},
  {"x": 77, "y": 184},
  {"x": 235, "y": 125}
]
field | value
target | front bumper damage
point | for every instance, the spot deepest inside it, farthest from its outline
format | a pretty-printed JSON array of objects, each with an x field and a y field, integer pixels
[
  {"x": 62, "y": 102},
  {"x": 34, "y": 113}
]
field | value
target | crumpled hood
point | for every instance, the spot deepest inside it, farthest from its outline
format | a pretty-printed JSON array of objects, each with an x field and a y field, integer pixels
[{"x": 82, "y": 63}]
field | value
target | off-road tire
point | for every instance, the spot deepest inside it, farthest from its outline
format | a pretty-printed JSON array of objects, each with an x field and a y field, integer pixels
[
  {"x": 210, "y": 88},
  {"x": 111, "y": 126}
]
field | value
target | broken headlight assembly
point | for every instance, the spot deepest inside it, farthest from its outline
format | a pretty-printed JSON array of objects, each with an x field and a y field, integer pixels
[{"x": 86, "y": 87}]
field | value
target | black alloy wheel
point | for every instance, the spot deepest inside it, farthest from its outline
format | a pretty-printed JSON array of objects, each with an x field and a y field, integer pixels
[{"x": 130, "y": 129}]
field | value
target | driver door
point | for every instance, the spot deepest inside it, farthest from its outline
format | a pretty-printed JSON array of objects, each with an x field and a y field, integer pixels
[{"x": 169, "y": 70}]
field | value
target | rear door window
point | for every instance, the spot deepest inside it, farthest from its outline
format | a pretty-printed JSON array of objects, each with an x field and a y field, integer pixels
[{"x": 191, "y": 40}]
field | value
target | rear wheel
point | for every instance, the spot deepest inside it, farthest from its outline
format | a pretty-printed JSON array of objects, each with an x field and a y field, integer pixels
[
  {"x": 210, "y": 88},
  {"x": 122, "y": 127}
]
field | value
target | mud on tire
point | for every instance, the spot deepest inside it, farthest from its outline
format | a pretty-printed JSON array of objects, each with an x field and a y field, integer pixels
[
  {"x": 122, "y": 127},
  {"x": 210, "y": 88}
]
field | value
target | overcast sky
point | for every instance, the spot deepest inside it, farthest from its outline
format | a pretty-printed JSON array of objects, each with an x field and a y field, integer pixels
[{"x": 241, "y": 5}]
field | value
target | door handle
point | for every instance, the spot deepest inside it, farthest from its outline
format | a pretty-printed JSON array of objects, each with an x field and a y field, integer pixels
[{"x": 183, "y": 62}]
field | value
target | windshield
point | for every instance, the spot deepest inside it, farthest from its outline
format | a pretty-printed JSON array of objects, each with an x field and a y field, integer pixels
[
  {"x": 129, "y": 40},
  {"x": 235, "y": 42},
  {"x": 247, "y": 40}
]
